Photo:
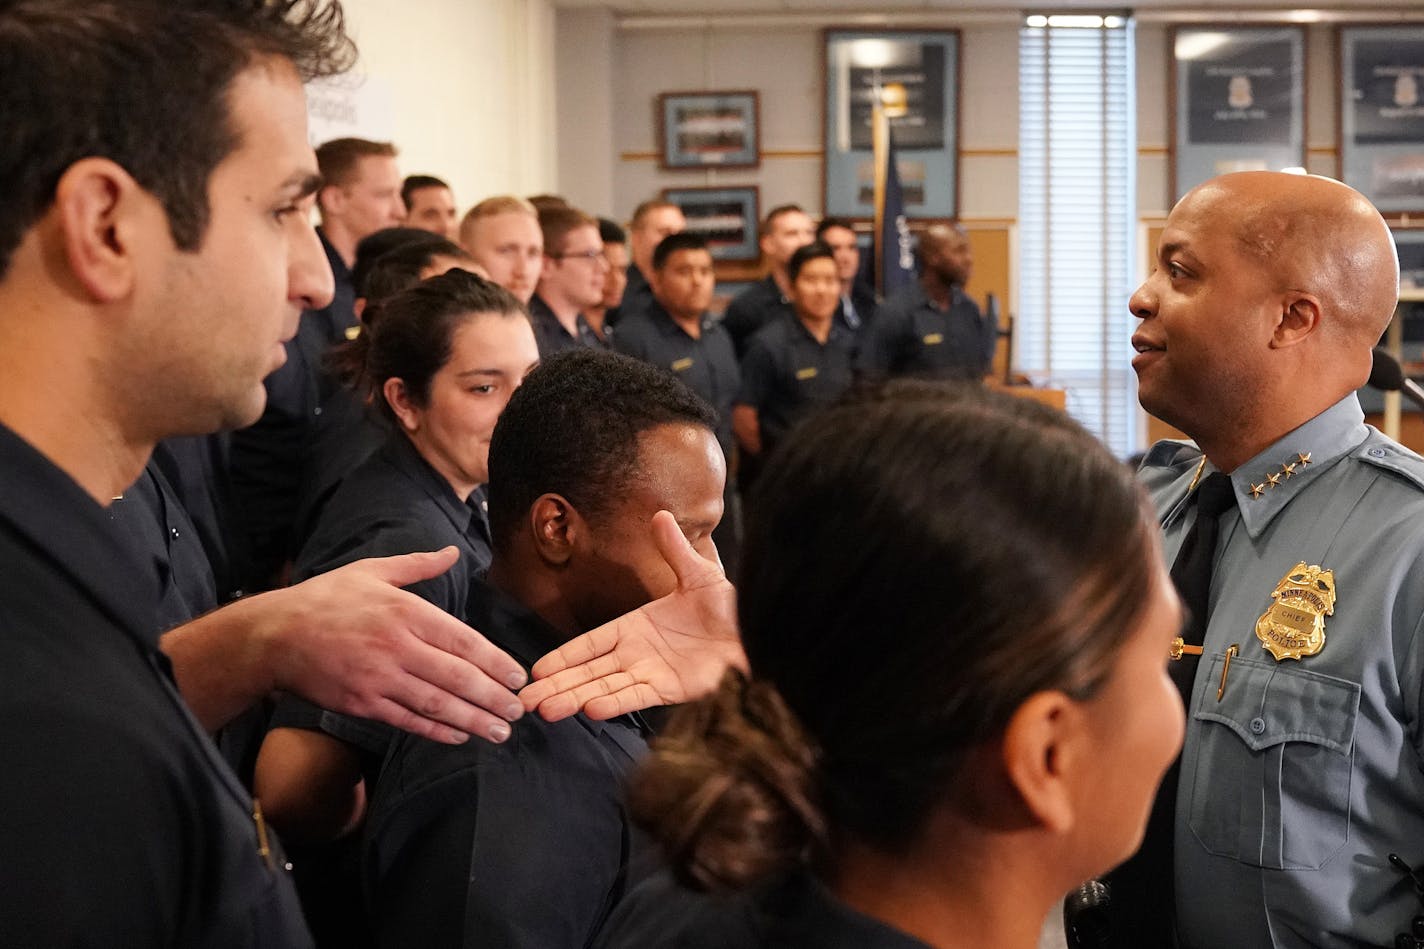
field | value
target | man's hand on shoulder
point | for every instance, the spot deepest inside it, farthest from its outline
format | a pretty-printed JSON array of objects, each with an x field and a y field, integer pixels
[{"x": 352, "y": 641}]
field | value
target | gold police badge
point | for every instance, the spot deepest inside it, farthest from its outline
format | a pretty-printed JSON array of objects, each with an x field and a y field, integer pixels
[{"x": 1294, "y": 625}]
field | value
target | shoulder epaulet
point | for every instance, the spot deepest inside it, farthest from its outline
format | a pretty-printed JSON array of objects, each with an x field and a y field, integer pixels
[
  {"x": 1383, "y": 452},
  {"x": 1170, "y": 453}
]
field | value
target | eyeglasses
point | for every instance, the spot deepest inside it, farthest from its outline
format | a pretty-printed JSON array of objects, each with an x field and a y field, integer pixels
[{"x": 593, "y": 255}]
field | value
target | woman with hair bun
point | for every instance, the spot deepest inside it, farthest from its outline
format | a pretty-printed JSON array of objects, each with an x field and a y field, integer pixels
[{"x": 957, "y": 623}]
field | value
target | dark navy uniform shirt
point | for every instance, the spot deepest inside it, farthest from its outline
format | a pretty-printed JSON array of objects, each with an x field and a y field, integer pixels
[
  {"x": 158, "y": 524},
  {"x": 752, "y": 309},
  {"x": 795, "y": 913},
  {"x": 393, "y": 503},
  {"x": 551, "y": 336},
  {"x": 120, "y": 824},
  {"x": 637, "y": 294},
  {"x": 706, "y": 364},
  {"x": 910, "y": 336},
  {"x": 270, "y": 459},
  {"x": 787, "y": 372},
  {"x": 521, "y": 845},
  {"x": 858, "y": 308}
]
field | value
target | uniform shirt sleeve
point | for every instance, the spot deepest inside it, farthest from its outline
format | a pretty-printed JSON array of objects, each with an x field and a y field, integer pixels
[{"x": 334, "y": 547}]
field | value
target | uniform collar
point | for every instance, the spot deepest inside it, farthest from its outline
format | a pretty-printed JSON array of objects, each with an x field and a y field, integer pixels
[
  {"x": 525, "y": 635},
  {"x": 1267, "y": 483},
  {"x": 543, "y": 313},
  {"x": 401, "y": 453},
  {"x": 922, "y": 299},
  {"x": 668, "y": 326},
  {"x": 43, "y": 503},
  {"x": 838, "y": 331}
]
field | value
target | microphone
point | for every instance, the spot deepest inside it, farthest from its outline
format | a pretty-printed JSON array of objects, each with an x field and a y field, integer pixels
[
  {"x": 1086, "y": 922},
  {"x": 1387, "y": 376}
]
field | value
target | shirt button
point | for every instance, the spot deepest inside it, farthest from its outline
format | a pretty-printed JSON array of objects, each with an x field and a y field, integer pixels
[
  {"x": 1258, "y": 725},
  {"x": 174, "y": 532},
  {"x": 1377, "y": 453}
]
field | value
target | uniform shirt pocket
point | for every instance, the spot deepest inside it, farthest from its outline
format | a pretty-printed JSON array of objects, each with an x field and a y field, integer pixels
[{"x": 1270, "y": 781}]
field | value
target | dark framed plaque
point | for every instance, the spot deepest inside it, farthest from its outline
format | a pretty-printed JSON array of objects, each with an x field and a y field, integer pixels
[
  {"x": 709, "y": 130},
  {"x": 919, "y": 70},
  {"x": 1239, "y": 102},
  {"x": 1382, "y": 114},
  {"x": 726, "y": 218}
]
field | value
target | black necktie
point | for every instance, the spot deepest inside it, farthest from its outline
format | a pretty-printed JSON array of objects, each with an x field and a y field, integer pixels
[{"x": 1142, "y": 909}]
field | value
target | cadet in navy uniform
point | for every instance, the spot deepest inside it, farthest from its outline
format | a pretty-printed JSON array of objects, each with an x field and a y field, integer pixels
[
  {"x": 440, "y": 361},
  {"x": 360, "y": 195},
  {"x": 121, "y": 824},
  {"x": 677, "y": 334},
  {"x": 784, "y": 229},
  {"x": 570, "y": 281},
  {"x": 793, "y": 365},
  {"x": 858, "y": 300},
  {"x": 529, "y": 845},
  {"x": 653, "y": 220},
  {"x": 1303, "y": 767},
  {"x": 932, "y": 329},
  {"x": 346, "y": 432}
]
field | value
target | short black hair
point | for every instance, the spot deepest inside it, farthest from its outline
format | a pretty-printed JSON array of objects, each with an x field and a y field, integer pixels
[
  {"x": 611, "y": 232},
  {"x": 684, "y": 240},
  {"x": 414, "y": 183},
  {"x": 375, "y": 245},
  {"x": 804, "y": 255},
  {"x": 143, "y": 83},
  {"x": 776, "y": 212},
  {"x": 399, "y": 268},
  {"x": 572, "y": 429},
  {"x": 833, "y": 222}
]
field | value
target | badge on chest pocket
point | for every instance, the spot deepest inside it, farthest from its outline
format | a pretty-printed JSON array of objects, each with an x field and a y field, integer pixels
[{"x": 1293, "y": 626}]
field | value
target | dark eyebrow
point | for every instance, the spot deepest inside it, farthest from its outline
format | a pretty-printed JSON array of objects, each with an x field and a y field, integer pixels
[
  {"x": 303, "y": 183},
  {"x": 479, "y": 372}
]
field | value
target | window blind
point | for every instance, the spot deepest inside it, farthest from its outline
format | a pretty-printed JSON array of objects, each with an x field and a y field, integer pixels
[{"x": 1077, "y": 211}]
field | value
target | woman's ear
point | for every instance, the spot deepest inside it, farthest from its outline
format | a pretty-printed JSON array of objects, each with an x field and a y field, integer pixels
[
  {"x": 398, "y": 398},
  {"x": 1044, "y": 752},
  {"x": 556, "y": 527}
]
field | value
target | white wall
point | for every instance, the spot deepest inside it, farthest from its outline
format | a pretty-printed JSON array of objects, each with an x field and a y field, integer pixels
[
  {"x": 781, "y": 58},
  {"x": 472, "y": 87},
  {"x": 783, "y": 62}
]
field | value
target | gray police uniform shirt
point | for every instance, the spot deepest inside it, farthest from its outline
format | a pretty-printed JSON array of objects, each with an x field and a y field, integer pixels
[{"x": 1300, "y": 781}]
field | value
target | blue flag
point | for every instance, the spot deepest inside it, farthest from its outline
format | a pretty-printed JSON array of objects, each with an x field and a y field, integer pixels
[{"x": 894, "y": 245}]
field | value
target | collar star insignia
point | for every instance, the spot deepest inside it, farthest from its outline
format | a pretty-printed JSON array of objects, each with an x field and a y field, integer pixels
[
  {"x": 1289, "y": 469},
  {"x": 1272, "y": 480},
  {"x": 1304, "y": 457},
  {"x": 1256, "y": 490}
]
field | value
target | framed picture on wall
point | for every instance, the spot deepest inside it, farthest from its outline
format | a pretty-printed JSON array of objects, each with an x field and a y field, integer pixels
[
  {"x": 708, "y": 130},
  {"x": 724, "y": 217},
  {"x": 1382, "y": 114},
  {"x": 918, "y": 70},
  {"x": 1239, "y": 102}
]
